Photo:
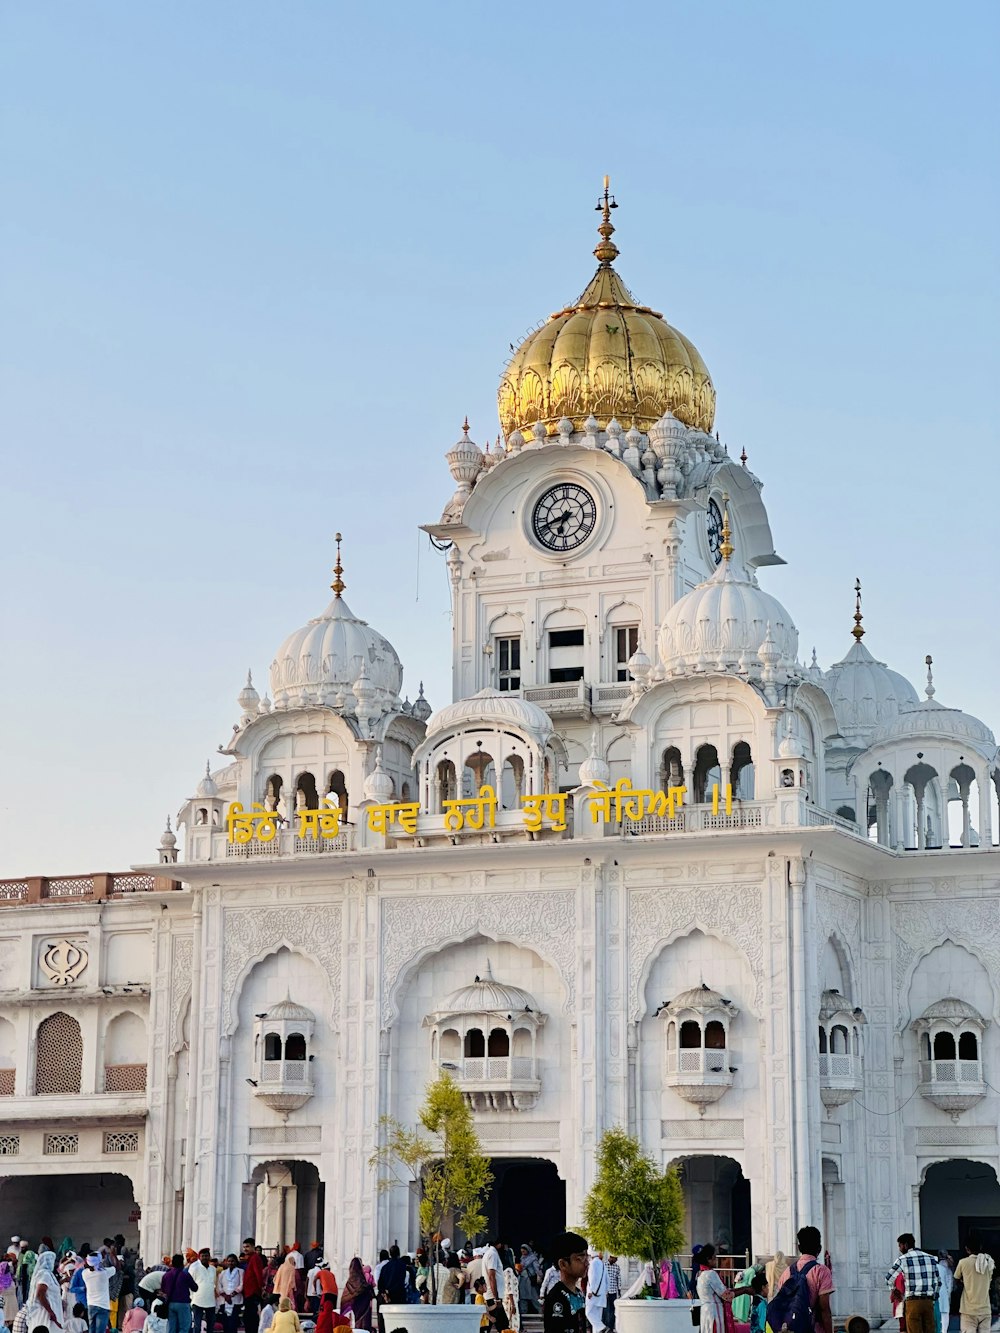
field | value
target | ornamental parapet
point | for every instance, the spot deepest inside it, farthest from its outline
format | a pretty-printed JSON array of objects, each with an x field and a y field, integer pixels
[{"x": 41, "y": 889}]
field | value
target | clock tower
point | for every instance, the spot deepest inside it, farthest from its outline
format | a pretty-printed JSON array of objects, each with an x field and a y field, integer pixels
[{"x": 603, "y": 504}]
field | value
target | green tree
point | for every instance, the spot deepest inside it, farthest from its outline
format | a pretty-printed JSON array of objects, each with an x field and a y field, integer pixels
[
  {"x": 449, "y": 1170},
  {"x": 633, "y": 1206}
]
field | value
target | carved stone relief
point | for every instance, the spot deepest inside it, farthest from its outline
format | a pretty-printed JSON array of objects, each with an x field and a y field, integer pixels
[
  {"x": 251, "y": 933},
  {"x": 917, "y": 926},
  {"x": 63, "y": 961}
]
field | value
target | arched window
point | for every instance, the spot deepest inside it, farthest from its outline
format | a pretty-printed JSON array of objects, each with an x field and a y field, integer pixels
[
  {"x": 201, "y": 816},
  {"x": 707, "y": 773},
  {"x": 822, "y": 1041},
  {"x": 690, "y": 1035},
  {"x": 404, "y": 793},
  {"x": 499, "y": 1043},
  {"x": 8, "y": 1048},
  {"x": 58, "y": 1056},
  {"x": 295, "y": 1046},
  {"x": 475, "y": 1044},
  {"x": 944, "y": 1046},
  {"x": 838, "y": 1041},
  {"x": 741, "y": 773},
  {"x": 272, "y": 792},
  {"x": 451, "y": 1046},
  {"x": 671, "y": 769},
  {"x": 272, "y": 1046},
  {"x": 927, "y": 1045},
  {"x": 336, "y": 791},
  {"x": 446, "y": 783},
  {"x": 968, "y": 1046},
  {"x": 847, "y": 812},
  {"x": 715, "y": 1036},
  {"x": 305, "y": 792},
  {"x": 920, "y": 777}
]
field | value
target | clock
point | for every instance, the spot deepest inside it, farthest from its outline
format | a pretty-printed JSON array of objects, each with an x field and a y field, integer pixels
[
  {"x": 564, "y": 517},
  {"x": 713, "y": 521}
]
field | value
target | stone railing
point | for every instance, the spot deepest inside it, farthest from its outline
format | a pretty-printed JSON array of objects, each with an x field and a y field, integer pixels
[
  {"x": 81, "y": 888},
  {"x": 124, "y": 1078}
]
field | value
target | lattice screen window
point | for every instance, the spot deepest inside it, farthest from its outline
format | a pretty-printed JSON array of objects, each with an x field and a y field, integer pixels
[
  {"x": 10, "y": 1145},
  {"x": 124, "y": 1078},
  {"x": 59, "y": 1145},
  {"x": 121, "y": 1140},
  {"x": 58, "y": 1055},
  {"x": 7, "y": 1082}
]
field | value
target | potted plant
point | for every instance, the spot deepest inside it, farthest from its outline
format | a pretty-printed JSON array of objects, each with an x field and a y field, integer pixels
[
  {"x": 452, "y": 1177},
  {"x": 635, "y": 1208}
]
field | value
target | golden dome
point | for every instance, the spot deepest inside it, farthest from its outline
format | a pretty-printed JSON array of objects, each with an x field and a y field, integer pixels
[{"x": 608, "y": 357}]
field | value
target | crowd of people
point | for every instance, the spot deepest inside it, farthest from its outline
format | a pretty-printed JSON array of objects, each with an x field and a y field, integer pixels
[{"x": 575, "y": 1288}]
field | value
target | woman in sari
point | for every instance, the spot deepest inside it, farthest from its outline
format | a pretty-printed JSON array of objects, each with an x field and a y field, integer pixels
[
  {"x": 285, "y": 1278},
  {"x": 712, "y": 1293},
  {"x": 357, "y": 1297},
  {"x": 44, "y": 1297}
]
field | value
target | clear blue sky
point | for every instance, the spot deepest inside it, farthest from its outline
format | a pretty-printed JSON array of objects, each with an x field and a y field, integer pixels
[{"x": 260, "y": 258}]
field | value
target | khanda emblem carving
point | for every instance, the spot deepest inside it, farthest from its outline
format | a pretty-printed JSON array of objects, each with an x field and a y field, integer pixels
[{"x": 63, "y": 961}]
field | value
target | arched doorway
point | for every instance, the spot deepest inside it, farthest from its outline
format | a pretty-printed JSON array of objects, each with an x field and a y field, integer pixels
[
  {"x": 528, "y": 1200},
  {"x": 716, "y": 1203},
  {"x": 956, "y": 1197},
  {"x": 91, "y": 1204},
  {"x": 282, "y": 1202}
]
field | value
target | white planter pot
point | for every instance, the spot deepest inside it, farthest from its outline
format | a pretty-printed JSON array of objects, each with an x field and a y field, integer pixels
[
  {"x": 430, "y": 1318},
  {"x": 654, "y": 1316}
]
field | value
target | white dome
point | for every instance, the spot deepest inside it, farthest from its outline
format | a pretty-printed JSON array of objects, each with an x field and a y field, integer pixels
[
  {"x": 865, "y": 694},
  {"x": 319, "y": 663},
  {"x": 951, "y": 1010},
  {"x": 486, "y": 995},
  {"x": 701, "y": 1000},
  {"x": 492, "y": 707},
  {"x": 723, "y": 623},
  {"x": 929, "y": 720},
  {"x": 288, "y": 1011}
]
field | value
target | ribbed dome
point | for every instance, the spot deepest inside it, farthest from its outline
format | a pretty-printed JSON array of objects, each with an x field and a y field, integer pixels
[
  {"x": 928, "y": 719},
  {"x": 492, "y": 706},
  {"x": 287, "y": 1010},
  {"x": 701, "y": 999},
  {"x": 487, "y": 995},
  {"x": 722, "y": 623},
  {"x": 951, "y": 1010},
  {"x": 606, "y": 356},
  {"x": 324, "y": 659},
  {"x": 865, "y": 693}
]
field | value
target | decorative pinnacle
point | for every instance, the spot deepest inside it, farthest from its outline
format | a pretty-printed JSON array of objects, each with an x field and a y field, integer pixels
[
  {"x": 606, "y": 250},
  {"x": 743, "y": 457},
  {"x": 338, "y": 585},
  {"x": 465, "y": 424},
  {"x": 929, "y": 691},
  {"x": 858, "y": 630},
  {"x": 726, "y": 548}
]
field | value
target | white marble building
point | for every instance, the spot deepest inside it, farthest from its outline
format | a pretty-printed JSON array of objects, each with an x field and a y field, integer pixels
[{"x": 791, "y": 993}]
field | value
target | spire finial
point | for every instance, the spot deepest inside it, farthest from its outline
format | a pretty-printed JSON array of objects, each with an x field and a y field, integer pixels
[
  {"x": 208, "y": 768},
  {"x": 858, "y": 630},
  {"x": 743, "y": 457},
  {"x": 929, "y": 691},
  {"x": 726, "y": 547},
  {"x": 465, "y": 424},
  {"x": 338, "y": 585},
  {"x": 606, "y": 250}
]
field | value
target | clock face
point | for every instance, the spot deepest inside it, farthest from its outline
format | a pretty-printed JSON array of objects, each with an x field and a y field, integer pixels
[
  {"x": 713, "y": 519},
  {"x": 564, "y": 517}
]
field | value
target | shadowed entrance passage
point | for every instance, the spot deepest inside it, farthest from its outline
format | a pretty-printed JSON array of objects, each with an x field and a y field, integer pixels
[{"x": 528, "y": 1200}]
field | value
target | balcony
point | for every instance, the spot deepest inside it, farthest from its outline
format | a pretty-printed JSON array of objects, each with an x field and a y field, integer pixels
[
  {"x": 124, "y": 1078},
  {"x": 952, "y": 1086},
  {"x": 698, "y": 1075},
  {"x": 569, "y": 699},
  {"x": 284, "y": 1085},
  {"x": 839, "y": 1078},
  {"x": 497, "y": 1082}
]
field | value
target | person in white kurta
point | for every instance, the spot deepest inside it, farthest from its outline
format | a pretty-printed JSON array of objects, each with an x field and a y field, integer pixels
[
  {"x": 597, "y": 1292},
  {"x": 712, "y": 1293}
]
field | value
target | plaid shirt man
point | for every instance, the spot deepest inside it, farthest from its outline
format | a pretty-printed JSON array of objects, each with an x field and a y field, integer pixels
[
  {"x": 921, "y": 1279},
  {"x": 614, "y": 1279}
]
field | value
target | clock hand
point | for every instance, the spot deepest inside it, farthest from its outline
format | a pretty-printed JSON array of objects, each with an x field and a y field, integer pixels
[{"x": 560, "y": 521}]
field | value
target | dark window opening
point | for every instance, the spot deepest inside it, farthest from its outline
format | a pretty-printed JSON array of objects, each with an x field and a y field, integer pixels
[
  {"x": 272, "y": 1046},
  {"x": 295, "y": 1046},
  {"x": 566, "y": 638},
  {"x": 475, "y": 1043},
  {"x": 557, "y": 674},
  {"x": 968, "y": 1046},
  {"x": 499, "y": 1042}
]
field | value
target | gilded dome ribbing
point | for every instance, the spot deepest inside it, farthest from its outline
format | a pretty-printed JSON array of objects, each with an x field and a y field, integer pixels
[{"x": 605, "y": 356}]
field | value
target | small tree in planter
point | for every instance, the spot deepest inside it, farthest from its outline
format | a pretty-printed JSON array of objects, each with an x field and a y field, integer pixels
[
  {"x": 633, "y": 1207},
  {"x": 450, "y": 1172}
]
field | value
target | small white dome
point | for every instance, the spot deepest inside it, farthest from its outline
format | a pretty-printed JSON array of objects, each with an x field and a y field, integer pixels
[
  {"x": 288, "y": 1011},
  {"x": 865, "y": 693},
  {"x": 594, "y": 768},
  {"x": 486, "y": 995},
  {"x": 324, "y": 659},
  {"x": 169, "y": 838},
  {"x": 951, "y": 1010},
  {"x": 378, "y": 783},
  {"x": 929, "y": 720},
  {"x": 207, "y": 786},
  {"x": 701, "y": 1000},
  {"x": 723, "y": 620},
  {"x": 492, "y": 706}
]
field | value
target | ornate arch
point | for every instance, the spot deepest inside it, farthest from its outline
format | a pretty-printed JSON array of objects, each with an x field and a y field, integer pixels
[
  {"x": 413, "y": 928},
  {"x": 252, "y": 935},
  {"x": 913, "y": 924},
  {"x": 657, "y": 919}
]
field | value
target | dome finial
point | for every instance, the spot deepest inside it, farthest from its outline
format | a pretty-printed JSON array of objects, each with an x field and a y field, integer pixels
[
  {"x": 606, "y": 250},
  {"x": 338, "y": 585},
  {"x": 858, "y": 630},
  {"x": 726, "y": 547},
  {"x": 929, "y": 691}
]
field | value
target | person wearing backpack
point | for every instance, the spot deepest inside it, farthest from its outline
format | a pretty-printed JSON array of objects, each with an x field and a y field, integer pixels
[{"x": 801, "y": 1300}]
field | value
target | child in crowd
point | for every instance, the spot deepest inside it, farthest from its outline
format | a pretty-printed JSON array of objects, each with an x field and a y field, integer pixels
[{"x": 78, "y": 1322}]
